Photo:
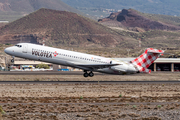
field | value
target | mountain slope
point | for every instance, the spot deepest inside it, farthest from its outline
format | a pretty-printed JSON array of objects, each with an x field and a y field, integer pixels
[
  {"x": 59, "y": 28},
  {"x": 28, "y": 6},
  {"x": 23, "y": 7},
  {"x": 64, "y": 29},
  {"x": 132, "y": 18},
  {"x": 164, "y": 7}
]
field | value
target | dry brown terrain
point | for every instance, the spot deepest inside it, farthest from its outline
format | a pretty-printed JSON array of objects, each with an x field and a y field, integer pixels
[
  {"x": 131, "y": 18},
  {"x": 98, "y": 77},
  {"x": 59, "y": 28},
  {"x": 82, "y": 101}
]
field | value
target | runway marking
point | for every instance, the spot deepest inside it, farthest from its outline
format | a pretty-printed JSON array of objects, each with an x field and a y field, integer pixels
[{"x": 89, "y": 82}]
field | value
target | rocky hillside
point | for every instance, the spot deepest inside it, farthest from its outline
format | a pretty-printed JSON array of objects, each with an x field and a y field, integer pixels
[
  {"x": 163, "y": 7},
  {"x": 28, "y": 6},
  {"x": 58, "y": 28},
  {"x": 132, "y": 18},
  {"x": 69, "y": 30},
  {"x": 13, "y": 9}
]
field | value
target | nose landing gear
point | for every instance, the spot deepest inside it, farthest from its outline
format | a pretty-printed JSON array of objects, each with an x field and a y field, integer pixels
[
  {"x": 12, "y": 60},
  {"x": 90, "y": 74}
]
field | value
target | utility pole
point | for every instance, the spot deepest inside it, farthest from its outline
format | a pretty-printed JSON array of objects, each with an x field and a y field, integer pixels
[
  {"x": 43, "y": 42},
  {"x": 21, "y": 38},
  {"x": 128, "y": 51},
  {"x": 5, "y": 67},
  {"x": 139, "y": 42}
]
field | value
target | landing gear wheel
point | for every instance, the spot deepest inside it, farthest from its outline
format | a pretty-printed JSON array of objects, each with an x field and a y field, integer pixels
[
  {"x": 91, "y": 74},
  {"x": 12, "y": 60},
  {"x": 86, "y": 74}
]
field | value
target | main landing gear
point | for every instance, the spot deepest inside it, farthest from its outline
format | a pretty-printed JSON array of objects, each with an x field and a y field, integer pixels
[{"x": 90, "y": 74}]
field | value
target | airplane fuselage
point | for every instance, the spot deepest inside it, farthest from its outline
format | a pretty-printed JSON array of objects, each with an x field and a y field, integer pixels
[{"x": 86, "y": 62}]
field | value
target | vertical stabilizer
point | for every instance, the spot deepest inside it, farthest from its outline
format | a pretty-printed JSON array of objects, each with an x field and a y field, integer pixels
[{"x": 142, "y": 62}]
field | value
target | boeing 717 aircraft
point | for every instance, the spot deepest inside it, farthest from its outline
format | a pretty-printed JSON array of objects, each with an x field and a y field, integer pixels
[{"x": 87, "y": 62}]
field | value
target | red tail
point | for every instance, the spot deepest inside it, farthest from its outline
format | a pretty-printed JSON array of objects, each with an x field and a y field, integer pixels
[{"x": 142, "y": 62}]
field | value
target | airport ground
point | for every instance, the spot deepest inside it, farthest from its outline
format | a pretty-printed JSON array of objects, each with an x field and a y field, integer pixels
[
  {"x": 78, "y": 76},
  {"x": 90, "y": 101}
]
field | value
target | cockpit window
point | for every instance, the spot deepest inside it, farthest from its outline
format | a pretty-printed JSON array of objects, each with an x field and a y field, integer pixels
[{"x": 18, "y": 45}]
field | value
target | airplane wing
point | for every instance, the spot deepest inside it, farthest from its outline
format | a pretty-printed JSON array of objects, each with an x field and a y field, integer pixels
[
  {"x": 98, "y": 66},
  {"x": 92, "y": 66}
]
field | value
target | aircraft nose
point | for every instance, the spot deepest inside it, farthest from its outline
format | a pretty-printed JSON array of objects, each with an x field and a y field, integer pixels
[{"x": 7, "y": 50}]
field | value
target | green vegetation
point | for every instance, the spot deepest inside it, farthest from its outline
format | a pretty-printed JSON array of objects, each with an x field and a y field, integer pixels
[
  {"x": 45, "y": 66},
  {"x": 120, "y": 95},
  {"x": 159, "y": 106},
  {"x": 1, "y": 110},
  {"x": 81, "y": 97},
  {"x": 134, "y": 106},
  {"x": 7, "y": 44}
]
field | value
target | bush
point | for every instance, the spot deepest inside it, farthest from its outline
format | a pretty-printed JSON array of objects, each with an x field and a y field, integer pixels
[
  {"x": 159, "y": 106},
  {"x": 45, "y": 66},
  {"x": 81, "y": 97},
  {"x": 134, "y": 106},
  {"x": 120, "y": 95},
  {"x": 7, "y": 44}
]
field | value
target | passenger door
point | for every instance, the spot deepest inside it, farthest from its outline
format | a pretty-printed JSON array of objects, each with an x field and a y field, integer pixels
[{"x": 25, "y": 47}]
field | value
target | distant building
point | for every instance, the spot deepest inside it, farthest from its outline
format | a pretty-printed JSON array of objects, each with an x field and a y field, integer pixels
[{"x": 4, "y": 21}]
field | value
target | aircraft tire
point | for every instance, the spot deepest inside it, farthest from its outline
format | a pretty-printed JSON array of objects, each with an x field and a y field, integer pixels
[
  {"x": 86, "y": 74},
  {"x": 91, "y": 74},
  {"x": 12, "y": 60}
]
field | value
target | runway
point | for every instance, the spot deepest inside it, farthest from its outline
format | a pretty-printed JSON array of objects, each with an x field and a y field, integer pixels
[
  {"x": 89, "y": 82},
  {"x": 63, "y": 73},
  {"x": 45, "y": 73}
]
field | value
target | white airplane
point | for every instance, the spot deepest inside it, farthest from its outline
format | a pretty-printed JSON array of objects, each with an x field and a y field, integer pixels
[{"x": 86, "y": 62}]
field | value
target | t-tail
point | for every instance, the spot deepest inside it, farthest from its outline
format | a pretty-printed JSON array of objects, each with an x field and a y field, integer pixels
[{"x": 142, "y": 62}]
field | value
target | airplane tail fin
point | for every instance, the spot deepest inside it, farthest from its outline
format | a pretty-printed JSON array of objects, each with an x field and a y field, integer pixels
[{"x": 142, "y": 62}]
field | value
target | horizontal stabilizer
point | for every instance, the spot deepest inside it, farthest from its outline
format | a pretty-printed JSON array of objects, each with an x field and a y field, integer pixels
[{"x": 155, "y": 51}]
